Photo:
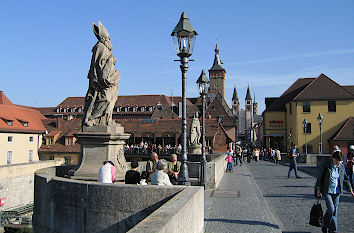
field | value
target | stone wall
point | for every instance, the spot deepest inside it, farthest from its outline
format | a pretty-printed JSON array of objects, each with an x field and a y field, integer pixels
[
  {"x": 16, "y": 182},
  {"x": 215, "y": 170},
  {"x": 183, "y": 213},
  {"x": 64, "y": 205}
]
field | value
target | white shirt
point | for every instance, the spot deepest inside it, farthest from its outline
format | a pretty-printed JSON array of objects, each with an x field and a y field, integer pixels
[{"x": 105, "y": 174}]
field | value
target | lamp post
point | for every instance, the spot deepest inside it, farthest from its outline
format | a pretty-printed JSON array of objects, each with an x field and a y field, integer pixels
[
  {"x": 320, "y": 120},
  {"x": 203, "y": 84},
  {"x": 183, "y": 38},
  {"x": 305, "y": 131}
]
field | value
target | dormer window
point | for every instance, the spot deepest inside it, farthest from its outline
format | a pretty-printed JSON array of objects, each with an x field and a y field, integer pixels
[
  {"x": 151, "y": 109},
  {"x": 126, "y": 109},
  {"x": 79, "y": 109},
  {"x": 68, "y": 141},
  {"x": 57, "y": 110},
  {"x": 9, "y": 123},
  {"x": 49, "y": 141},
  {"x": 119, "y": 109},
  {"x": 134, "y": 109},
  {"x": 142, "y": 109}
]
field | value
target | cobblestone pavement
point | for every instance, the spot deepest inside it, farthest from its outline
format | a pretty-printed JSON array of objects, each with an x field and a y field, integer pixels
[
  {"x": 291, "y": 199},
  {"x": 237, "y": 205}
]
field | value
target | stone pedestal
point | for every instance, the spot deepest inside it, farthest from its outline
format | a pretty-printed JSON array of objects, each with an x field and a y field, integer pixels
[
  {"x": 195, "y": 149},
  {"x": 98, "y": 144}
]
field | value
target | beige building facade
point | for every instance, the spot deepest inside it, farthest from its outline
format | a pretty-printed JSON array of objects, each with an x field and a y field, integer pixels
[{"x": 306, "y": 99}]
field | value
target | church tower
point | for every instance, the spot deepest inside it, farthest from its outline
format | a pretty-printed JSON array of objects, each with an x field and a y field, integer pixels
[
  {"x": 255, "y": 105},
  {"x": 235, "y": 104},
  {"x": 217, "y": 75},
  {"x": 248, "y": 114}
]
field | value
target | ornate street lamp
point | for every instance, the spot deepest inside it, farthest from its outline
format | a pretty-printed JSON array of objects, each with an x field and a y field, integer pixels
[
  {"x": 305, "y": 131},
  {"x": 320, "y": 120},
  {"x": 183, "y": 38},
  {"x": 203, "y": 86}
]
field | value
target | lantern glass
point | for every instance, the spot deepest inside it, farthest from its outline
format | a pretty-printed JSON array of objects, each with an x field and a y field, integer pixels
[
  {"x": 203, "y": 88},
  {"x": 184, "y": 42}
]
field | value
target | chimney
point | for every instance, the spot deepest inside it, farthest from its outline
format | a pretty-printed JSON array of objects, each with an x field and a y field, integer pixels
[{"x": 59, "y": 123}]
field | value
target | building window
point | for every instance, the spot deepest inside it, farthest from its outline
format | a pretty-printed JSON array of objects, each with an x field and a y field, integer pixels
[
  {"x": 134, "y": 109},
  {"x": 9, "y": 123},
  {"x": 30, "y": 155},
  {"x": 290, "y": 108},
  {"x": 151, "y": 109},
  {"x": 25, "y": 124},
  {"x": 50, "y": 141},
  {"x": 332, "y": 106},
  {"x": 10, "y": 139},
  {"x": 67, "y": 159},
  {"x": 9, "y": 157},
  {"x": 126, "y": 109},
  {"x": 51, "y": 157},
  {"x": 142, "y": 109},
  {"x": 308, "y": 128},
  {"x": 118, "y": 109},
  {"x": 68, "y": 141},
  {"x": 306, "y": 106},
  {"x": 31, "y": 138}
]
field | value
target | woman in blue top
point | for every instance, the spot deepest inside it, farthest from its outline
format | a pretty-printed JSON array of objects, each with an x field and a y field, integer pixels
[{"x": 330, "y": 181}]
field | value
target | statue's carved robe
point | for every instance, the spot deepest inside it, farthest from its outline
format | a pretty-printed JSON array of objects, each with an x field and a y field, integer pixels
[{"x": 103, "y": 87}]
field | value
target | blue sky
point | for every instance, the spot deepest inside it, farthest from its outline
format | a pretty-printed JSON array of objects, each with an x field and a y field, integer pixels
[{"x": 46, "y": 45}]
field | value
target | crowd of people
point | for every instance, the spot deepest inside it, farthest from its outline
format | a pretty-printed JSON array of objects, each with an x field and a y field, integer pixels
[
  {"x": 147, "y": 147},
  {"x": 157, "y": 172},
  {"x": 334, "y": 175},
  {"x": 248, "y": 154}
]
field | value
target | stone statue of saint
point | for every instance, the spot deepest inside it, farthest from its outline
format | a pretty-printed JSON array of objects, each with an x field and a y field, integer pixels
[
  {"x": 195, "y": 131},
  {"x": 103, "y": 81}
]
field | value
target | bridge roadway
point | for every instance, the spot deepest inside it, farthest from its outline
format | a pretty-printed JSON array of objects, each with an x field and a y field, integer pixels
[{"x": 259, "y": 197}]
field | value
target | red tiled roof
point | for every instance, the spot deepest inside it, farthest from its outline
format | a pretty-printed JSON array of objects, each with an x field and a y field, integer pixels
[
  {"x": 129, "y": 100},
  {"x": 324, "y": 88},
  {"x": 345, "y": 133},
  {"x": 65, "y": 128},
  {"x": 20, "y": 116},
  {"x": 164, "y": 126},
  {"x": 4, "y": 99}
]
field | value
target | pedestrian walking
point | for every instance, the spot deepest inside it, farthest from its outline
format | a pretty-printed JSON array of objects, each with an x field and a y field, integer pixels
[
  {"x": 294, "y": 153},
  {"x": 238, "y": 152},
  {"x": 229, "y": 166},
  {"x": 348, "y": 163},
  {"x": 330, "y": 181},
  {"x": 277, "y": 155}
]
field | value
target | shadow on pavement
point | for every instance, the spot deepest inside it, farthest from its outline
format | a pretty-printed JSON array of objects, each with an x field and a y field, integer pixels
[
  {"x": 306, "y": 196},
  {"x": 297, "y": 186},
  {"x": 296, "y": 231},
  {"x": 248, "y": 222}
]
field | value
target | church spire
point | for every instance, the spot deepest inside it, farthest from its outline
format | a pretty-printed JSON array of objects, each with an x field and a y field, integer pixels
[
  {"x": 234, "y": 96},
  {"x": 217, "y": 65},
  {"x": 248, "y": 95}
]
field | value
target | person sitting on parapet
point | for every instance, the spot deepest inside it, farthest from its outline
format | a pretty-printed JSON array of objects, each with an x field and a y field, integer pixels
[
  {"x": 152, "y": 164},
  {"x": 105, "y": 173},
  {"x": 133, "y": 176},
  {"x": 113, "y": 170},
  {"x": 174, "y": 168},
  {"x": 159, "y": 177}
]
